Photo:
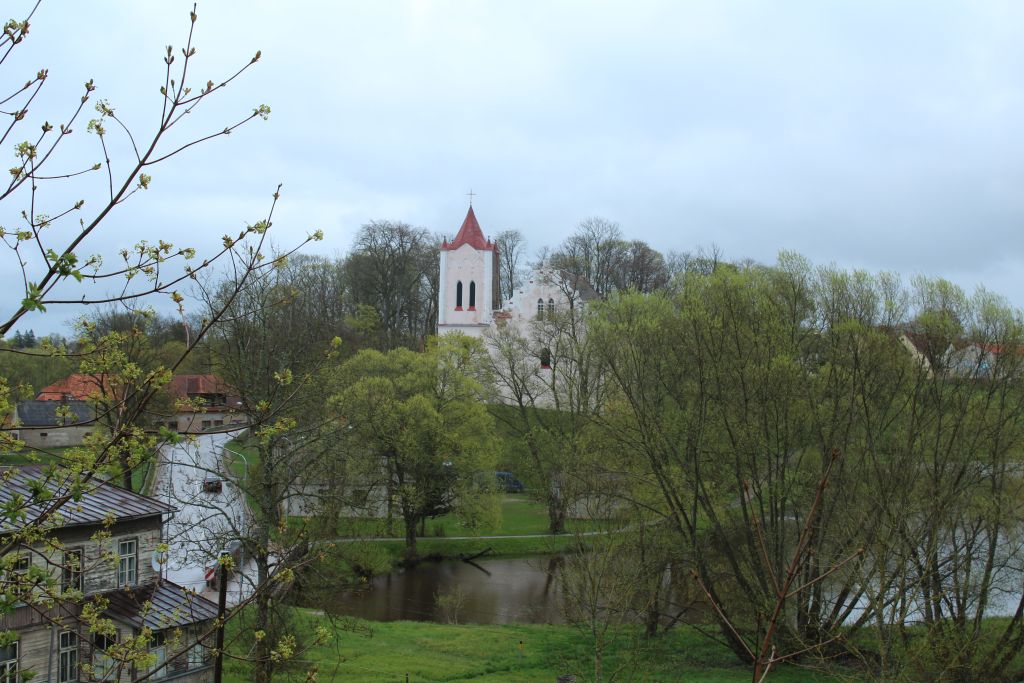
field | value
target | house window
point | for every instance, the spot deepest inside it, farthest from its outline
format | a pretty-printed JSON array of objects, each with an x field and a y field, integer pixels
[
  {"x": 540, "y": 309},
  {"x": 43, "y": 435},
  {"x": 545, "y": 358},
  {"x": 207, "y": 424},
  {"x": 359, "y": 497},
  {"x": 20, "y": 583},
  {"x": 9, "y": 663},
  {"x": 67, "y": 667},
  {"x": 127, "y": 562},
  {"x": 103, "y": 666},
  {"x": 551, "y": 309},
  {"x": 458, "y": 295},
  {"x": 22, "y": 564},
  {"x": 71, "y": 571},
  {"x": 158, "y": 650},
  {"x": 198, "y": 655},
  {"x": 472, "y": 295}
]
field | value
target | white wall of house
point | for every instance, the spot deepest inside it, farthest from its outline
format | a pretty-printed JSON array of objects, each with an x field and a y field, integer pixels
[
  {"x": 193, "y": 423},
  {"x": 55, "y": 436}
]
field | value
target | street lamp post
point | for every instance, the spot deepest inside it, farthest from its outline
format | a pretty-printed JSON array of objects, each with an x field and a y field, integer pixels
[{"x": 245, "y": 460}]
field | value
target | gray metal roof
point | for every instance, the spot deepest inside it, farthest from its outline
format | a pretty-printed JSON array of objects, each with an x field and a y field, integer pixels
[
  {"x": 158, "y": 605},
  {"x": 96, "y": 502},
  {"x": 45, "y": 413}
]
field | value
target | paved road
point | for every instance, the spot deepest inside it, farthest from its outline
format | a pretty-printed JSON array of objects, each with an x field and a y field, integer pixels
[{"x": 204, "y": 522}]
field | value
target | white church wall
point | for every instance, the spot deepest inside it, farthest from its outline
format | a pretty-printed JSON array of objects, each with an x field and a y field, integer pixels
[{"x": 468, "y": 266}]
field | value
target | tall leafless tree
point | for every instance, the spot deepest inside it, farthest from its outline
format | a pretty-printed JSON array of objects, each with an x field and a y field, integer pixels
[
  {"x": 393, "y": 267},
  {"x": 511, "y": 247}
]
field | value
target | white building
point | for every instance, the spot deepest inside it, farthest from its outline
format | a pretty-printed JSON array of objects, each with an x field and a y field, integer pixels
[{"x": 468, "y": 295}]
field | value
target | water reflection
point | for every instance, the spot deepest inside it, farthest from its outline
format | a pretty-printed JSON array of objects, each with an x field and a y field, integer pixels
[{"x": 485, "y": 591}]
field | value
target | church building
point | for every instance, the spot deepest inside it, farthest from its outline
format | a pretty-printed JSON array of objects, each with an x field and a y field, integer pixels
[{"x": 468, "y": 295}]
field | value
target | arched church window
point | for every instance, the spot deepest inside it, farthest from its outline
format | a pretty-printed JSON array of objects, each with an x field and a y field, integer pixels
[
  {"x": 472, "y": 295},
  {"x": 458, "y": 295},
  {"x": 540, "y": 309},
  {"x": 545, "y": 358},
  {"x": 551, "y": 309}
]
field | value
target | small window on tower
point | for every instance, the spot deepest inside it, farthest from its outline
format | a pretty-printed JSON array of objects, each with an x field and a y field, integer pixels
[
  {"x": 545, "y": 358},
  {"x": 540, "y": 309},
  {"x": 458, "y": 295},
  {"x": 551, "y": 309},
  {"x": 472, "y": 295}
]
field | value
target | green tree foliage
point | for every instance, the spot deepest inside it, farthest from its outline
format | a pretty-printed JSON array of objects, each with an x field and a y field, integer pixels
[
  {"x": 26, "y": 373},
  {"x": 729, "y": 398},
  {"x": 128, "y": 370},
  {"x": 419, "y": 418},
  {"x": 51, "y": 241},
  {"x": 552, "y": 378},
  {"x": 276, "y": 332}
]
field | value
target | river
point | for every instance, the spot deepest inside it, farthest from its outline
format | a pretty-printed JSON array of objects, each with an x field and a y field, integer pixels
[{"x": 522, "y": 590}]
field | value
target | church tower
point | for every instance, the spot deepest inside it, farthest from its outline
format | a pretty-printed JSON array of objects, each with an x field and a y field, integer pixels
[{"x": 468, "y": 289}]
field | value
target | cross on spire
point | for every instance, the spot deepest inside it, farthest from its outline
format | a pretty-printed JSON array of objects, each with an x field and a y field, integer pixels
[{"x": 471, "y": 194}]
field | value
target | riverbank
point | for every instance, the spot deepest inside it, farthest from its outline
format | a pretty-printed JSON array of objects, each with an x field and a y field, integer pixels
[
  {"x": 359, "y": 651},
  {"x": 521, "y": 530}
]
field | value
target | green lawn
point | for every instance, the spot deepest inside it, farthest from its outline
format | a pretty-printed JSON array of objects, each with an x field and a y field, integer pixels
[
  {"x": 519, "y": 516},
  {"x": 237, "y": 464},
  {"x": 364, "y": 652}
]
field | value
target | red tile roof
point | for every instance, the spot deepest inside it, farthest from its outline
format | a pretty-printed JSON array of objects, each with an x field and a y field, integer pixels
[
  {"x": 77, "y": 387},
  {"x": 81, "y": 387},
  {"x": 999, "y": 348},
  {"x": 184, "y": 385},
  {"x": 471, "y": 234}
]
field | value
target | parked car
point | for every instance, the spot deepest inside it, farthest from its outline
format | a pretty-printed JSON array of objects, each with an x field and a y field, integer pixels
[{"x": 508, "y": 483}]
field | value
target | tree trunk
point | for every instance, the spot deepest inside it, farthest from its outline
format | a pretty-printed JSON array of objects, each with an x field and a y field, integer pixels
[
  {"x": 411, "y": 554},
  {"x": 556, "y": 517},
  {"x": 126, "y": 472},
  {"x": 263, "y": 666},
  {"x": 557, "y": 505},
  {"x": 652, "y": 618}
]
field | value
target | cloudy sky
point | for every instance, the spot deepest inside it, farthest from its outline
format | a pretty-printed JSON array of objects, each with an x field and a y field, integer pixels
[{"x": 882, "y": 135}]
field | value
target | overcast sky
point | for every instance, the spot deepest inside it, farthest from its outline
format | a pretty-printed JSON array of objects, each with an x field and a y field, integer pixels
[{"x": 882, "y": 135}]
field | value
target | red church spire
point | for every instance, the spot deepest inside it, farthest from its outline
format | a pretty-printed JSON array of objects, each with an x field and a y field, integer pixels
[{"x": 471, "y": 234}]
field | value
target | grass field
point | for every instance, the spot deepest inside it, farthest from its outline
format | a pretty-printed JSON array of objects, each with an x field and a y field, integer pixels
[
  {"x": 520, "y": 515},
  {"x": 364, "y": 652}
]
